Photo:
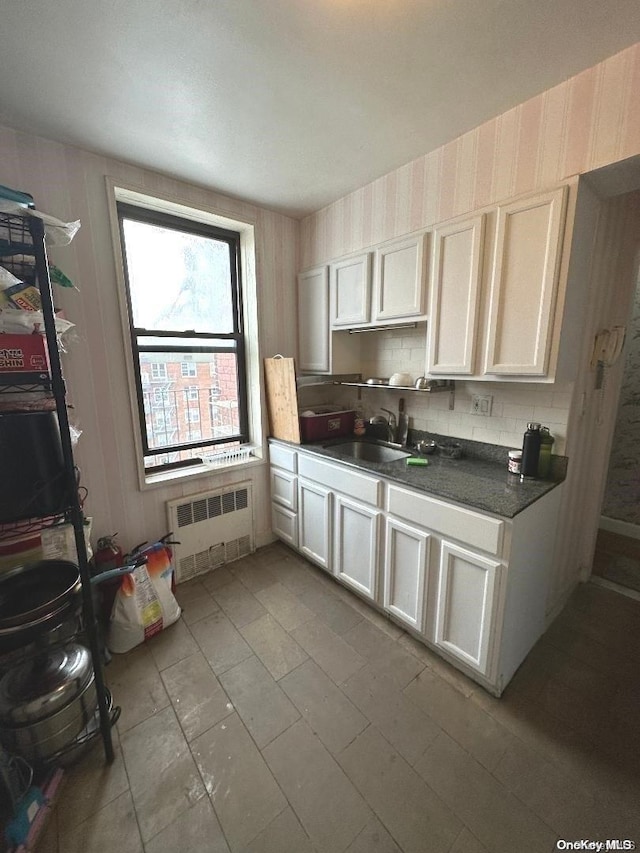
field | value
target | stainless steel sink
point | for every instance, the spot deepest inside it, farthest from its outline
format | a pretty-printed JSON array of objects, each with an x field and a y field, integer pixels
[{"x": 369, "y": 451}]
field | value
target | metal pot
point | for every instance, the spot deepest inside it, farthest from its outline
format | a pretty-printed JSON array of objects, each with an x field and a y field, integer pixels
[
  {"x": 35, "y": 590},
  {"x": 45, "y": 703},
  {"x": 44, "y": 685},
  {"x": 39, "y": 742},
  {"x": 38, "y": 597}
]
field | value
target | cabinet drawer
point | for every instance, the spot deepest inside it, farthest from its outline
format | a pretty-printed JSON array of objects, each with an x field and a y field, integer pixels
[
  {"x": 341, "y": 479},
  {"x": 472, "y": 528},
  {"x": 284, "y": 488},
  {"x": 283, "y": 457}
]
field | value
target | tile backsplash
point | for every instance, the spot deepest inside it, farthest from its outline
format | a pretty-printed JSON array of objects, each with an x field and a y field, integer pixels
[{"x": 514, "y": 404}]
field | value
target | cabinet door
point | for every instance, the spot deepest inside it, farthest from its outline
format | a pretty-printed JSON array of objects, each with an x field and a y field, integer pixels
[
  {"x": 356, "y": 548},
  {"x": 406, "y": 566},
  {"x": 314, "y": 523},
  {"x": 524, "y": 280},
  {"x": 466, "y": 605},
  {"x": 351, "y": 291},
  {"x": 284, "y": 524},
  {"x": 313, "y": 320},
  {"x": 455, "y": 297},
  {"x": 400, "y": 278}
]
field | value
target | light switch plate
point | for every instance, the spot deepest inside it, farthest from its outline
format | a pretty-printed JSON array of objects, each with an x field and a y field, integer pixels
[{"x": 481, "y": 404}]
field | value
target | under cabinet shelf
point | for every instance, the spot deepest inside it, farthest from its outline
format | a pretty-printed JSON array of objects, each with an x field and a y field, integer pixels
[
  {"x": 448, "y": 386},
  {"x": 444, "y": 385}
]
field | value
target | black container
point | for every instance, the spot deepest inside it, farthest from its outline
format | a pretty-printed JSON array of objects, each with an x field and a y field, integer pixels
[
  {"x": 531, "y": 451},
  {"x": 32, "y": 477}
]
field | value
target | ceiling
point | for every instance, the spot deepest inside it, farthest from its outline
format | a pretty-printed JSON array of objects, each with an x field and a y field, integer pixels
[{"x": 288, "y": 103}]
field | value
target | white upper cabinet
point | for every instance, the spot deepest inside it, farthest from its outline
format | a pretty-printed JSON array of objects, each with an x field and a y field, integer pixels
[
  {"x": 321, "y": 350},
  {"x": 400, "y": 280},
  {"x": 495, "y": 284},
  {"x": 524, "y": 279},
  {"x": 455, "y": 296},
  {"x": 382, "y": 287},
  {"x": 351, "y": 291},
  {"x": 313, "y": 320}
]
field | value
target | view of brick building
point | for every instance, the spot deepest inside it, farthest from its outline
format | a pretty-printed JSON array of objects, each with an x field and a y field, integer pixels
[{"x": 188, "y": 398}]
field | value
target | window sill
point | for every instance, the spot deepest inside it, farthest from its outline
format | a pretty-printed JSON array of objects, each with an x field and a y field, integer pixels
[{"x": 196, "y": 472}]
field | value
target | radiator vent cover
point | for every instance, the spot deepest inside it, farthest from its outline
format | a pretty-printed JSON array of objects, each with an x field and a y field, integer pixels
[{"x": 213, "y": 528}]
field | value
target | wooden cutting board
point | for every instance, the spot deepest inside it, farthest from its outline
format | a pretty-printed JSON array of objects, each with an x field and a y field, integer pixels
[{"x": 282, "y": 398}]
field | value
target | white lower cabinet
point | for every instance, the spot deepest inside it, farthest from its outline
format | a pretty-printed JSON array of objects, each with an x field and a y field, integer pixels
[
  {"x": 284, "y": 524},
  {"x": 471, "y": 585},
  {"x": 466, "y": 605},
  {"x": 284, "y": 489},
  {"x": 356, "y": 545},
  {"x": 406, "y": 569},
  {"x": 314, "y": 522}
]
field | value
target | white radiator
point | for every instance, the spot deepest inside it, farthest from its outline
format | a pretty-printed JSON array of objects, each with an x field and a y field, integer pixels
[{"x": 213, "y": 528}]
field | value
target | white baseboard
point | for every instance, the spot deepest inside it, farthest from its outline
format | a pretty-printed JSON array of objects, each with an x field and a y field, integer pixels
[
  {"x": 615, "y": 587},
  {"x": 624, "y": 528}
]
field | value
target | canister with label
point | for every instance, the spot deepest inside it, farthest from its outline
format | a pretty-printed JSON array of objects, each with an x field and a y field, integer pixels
[{"x": 515, "y": 462}]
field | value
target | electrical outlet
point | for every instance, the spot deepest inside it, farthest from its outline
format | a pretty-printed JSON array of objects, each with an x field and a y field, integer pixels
[{"x": 481, "y": 404}]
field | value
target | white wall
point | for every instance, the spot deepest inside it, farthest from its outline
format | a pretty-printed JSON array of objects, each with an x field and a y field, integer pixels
[{"x": 70, "y": 183}]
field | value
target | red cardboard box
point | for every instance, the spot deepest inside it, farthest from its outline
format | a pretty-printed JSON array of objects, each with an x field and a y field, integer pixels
[{"x": 23, "y": 354}]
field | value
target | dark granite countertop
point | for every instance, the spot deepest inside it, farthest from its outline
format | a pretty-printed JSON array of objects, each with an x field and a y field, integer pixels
[{"x": 479, "y": 480}]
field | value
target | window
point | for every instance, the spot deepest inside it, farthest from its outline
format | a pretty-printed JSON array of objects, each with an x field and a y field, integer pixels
[
  {"x": 158, "y": 371},
  {"x": 183, "y": 283}
]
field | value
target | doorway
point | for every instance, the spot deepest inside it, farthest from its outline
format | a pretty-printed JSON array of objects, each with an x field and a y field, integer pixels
[{"x": 617, "y": 555}]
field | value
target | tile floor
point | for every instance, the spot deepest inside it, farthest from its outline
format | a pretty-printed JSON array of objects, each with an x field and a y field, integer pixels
[{"x": 282, "y": 715}]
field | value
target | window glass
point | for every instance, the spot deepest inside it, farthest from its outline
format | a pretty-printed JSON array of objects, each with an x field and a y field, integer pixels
[{"x": 182, "y": 280}]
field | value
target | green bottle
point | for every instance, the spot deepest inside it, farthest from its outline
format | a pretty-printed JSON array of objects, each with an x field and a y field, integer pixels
[{"x": 544, "y": 460}]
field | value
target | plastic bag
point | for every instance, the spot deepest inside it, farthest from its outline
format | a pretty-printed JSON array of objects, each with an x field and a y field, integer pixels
[
  {"x": 57, "y": 232},
  {"x": 144, "y": 604},
  {"x": 16, "y": 322},
  {"x": 7, "y": 279}
]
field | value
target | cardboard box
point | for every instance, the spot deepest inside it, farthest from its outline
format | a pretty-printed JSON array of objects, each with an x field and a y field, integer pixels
[
  {"x": 23, "y": 354},
  {"x": 322, "y": 425},
  {"x": 24, "y": 296}
]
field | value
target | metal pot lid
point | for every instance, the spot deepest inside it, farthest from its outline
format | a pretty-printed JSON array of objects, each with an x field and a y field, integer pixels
[{"x": 40, "y": 687}]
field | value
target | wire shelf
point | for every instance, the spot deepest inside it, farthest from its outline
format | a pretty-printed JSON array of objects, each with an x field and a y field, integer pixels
[{"x": 16, "y": 247}]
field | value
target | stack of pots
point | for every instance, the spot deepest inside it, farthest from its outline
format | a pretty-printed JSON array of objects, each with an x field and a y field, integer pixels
[
  {"x": 46, "y": 703},
  {"x": 48, "y": 698}
]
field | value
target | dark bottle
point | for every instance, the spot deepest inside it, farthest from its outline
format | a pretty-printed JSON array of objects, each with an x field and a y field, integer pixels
[
  {"x": 544, "y": 461},
  {"x": 531, "y": 451}
]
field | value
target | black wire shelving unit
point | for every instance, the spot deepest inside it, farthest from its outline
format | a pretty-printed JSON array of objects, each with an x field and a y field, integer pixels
[{"x": 23, "y": 253}]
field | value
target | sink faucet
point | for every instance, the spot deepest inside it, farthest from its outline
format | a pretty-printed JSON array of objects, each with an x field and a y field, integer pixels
[{"x": 392, "y": 425}]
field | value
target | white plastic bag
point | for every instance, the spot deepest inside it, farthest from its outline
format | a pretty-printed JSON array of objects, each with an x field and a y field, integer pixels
[
  {"x": 144, "y": 605},
  {"x": 16, "y": 322}
]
